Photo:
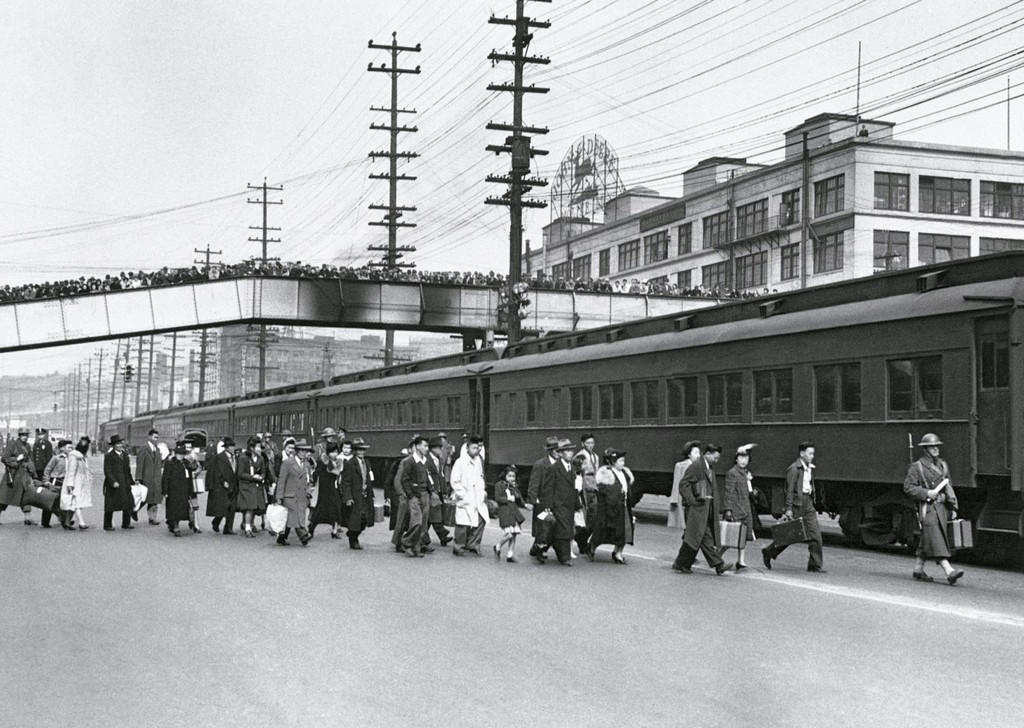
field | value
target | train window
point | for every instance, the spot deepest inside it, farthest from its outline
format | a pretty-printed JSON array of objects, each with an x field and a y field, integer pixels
[
  {"x": 644, "y": 398},
  {"x": 994, "y": 360},
  {"x": 434, "y": 411},
  {"x": 773, "y": 392},
  {"x": 555, "y": 407},
  {"x": 389, "y": 414},
  {"x": 416, "y": 412},
  {"x": 534, "y": 406},
  {"x": 610, "y": 398},
  {"x": 581, "y": 404},
  {"x": 682, "y": 398},
  {"x": 366, "y": 416},
  {"x": 513, "y": 412},
  {"x": 725, "y": 395},
  {"x": 915, "y": 387},
  {"x": 837, "y": 389},
  {"x": 454, "y": 411},
  {"x": 402, "y": 408}
]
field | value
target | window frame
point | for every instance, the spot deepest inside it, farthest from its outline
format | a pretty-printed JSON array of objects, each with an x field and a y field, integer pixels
[
  {"x": 629, "y": 255},
  {"x": 604, "y": 262},
  {"x": 617, "y": 402},
  {"x": 916, "y": 412},
  {"x": 839, "y": 372},
  {"x": 774, "y": 378},
  {"x": 656, "y": 247},
  {"x": 731, "y": 391},
  {"x": 933, "y": 194},
  {"x": 789, "y": 254},
  {"x": 829, "y": 252},
  {"x": 752, "y": 270},
  {"x": 684, "y": 238},
  {"x": 891, "y": 184},
  {"x": 888, "y": 256},
  {"x": 830, "y": 195},
  {"x": 1011, "y": 199},
  {"x": 584, "y": 396},
  {"x": 581, "y": 267},
  {"x": 959, "y": 247},
  {"x": 714, "y": 270},
  {"x": 689, "y": 401},
  {"x": 649, "y": 392},
  {"x": 752, "y": 218},
  {"x": 716, "y": 230}
]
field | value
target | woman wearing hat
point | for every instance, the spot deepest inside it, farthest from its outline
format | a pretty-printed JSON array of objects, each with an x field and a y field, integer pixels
[
  {"x": 328, "y": 509},
  {"x": 928, "y": 483},
  {"x": 178, "y": 484},
  {"x": 251, "y": 477},
  {"x": 18, "y": 474},
  {"x": 356, "y": 492},
  {"x": 614, "y": 522},
  {"x": 77, "y": 491},
  {"x": 736, "y": 497}
]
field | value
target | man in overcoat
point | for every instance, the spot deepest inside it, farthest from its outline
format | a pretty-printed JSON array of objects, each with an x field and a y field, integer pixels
[
  {"x": 293, "y": 489},
  {"x": 537, "y": 473},
  {"x": 697, "y": 492},
  {"x": 149, "y": 469},
  {"x": 469, "y": 493},
  {"x": 357, "y": 493},
  {"x": 800, "y": 491},
  {"x": 222, "y": 497},
  {"x": 19, "y": 470},
  {"x": 117, "y": 485},
  {"x": 557, "y": 498},
  {"x": 178, "y": 486},
  {"x": 438, "y": 490},
  {"x": 415, "y": 481}
]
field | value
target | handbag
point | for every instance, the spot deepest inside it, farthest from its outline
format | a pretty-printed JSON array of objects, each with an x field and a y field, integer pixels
[
  {"x": 277, "y": 518},
  {"x": 545, "y": 530},
  {"x": 448, "y": 513},
  {"x": 579, "y": 519}
]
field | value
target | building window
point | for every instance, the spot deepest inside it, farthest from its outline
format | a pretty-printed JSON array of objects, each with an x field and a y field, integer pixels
[
  {"x": 987, "y": 246},
  {"x": 944, "y": 195},
  {"x": 581, "y": 404},
  {"x": 752, "y": 219},
  {"x": 829, "y": 195},
  {"x": 994, "y": 360},
  {"x": 656, "y": 247},
  {"x": 561, "y": 270},
  {"x": 716, "y": 229},
  {"x": 535, "y": 406},
  {"x": 752, "y": 270},
  {"x": 581, "y": 267},
  {"x": 716, "y": 275},
  {"x": 644, "y": 396},
  {"x": 837, "y": 389},
  {"x": 789, "y": 255},
  {"x": 685, "y": 233},
  {"x": 892, "y": 191},
  {"x": 915, "y": 387},
  {"x": 942, "y": 248},
  {"x": 653, "y": 284},
  {"x": 682, "y": 398},
  {"x": 629, "y": 255},
  {"x": 892, "y": 250},
  {"x": 1002, "y": 199},
  {"x": 684, "y": 279},
  {"x": 610, "y": 399},
  {"x": 828, "y": 253},
  {"x": 725, "y": 396},
  {"x": 773, "y": 392},
  {"x": 789, "y": 210},
  {"x": 604, "y": 262}
]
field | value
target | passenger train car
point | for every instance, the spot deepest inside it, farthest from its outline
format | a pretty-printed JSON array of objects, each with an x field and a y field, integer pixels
[{"x": 864, "y": 368}]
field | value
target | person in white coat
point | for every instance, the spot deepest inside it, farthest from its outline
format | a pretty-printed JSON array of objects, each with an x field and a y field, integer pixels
[
  {"x": 76, "y": 492},
  {"x": 469, "y": 493}
]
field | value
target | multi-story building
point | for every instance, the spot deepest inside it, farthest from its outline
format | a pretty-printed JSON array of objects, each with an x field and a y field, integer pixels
[{"x": 847, "y": 201}]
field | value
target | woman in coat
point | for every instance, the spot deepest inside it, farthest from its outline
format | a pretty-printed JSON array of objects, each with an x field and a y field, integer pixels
[
  {"x": 735, "y": 497},
  {"x": 355, "y": 487},
  {"x": 18, "y": 474},
  {"x": 177, "y": 482},
  {"x": 676, "y": 518},
  {"x": 250, "y": 483},
  {"x": 928, "y": 483},
  {"x": 615, "y": 501},
  {"x": 77, "y": 491},
  {"x": 329, "y": 506},
  {"x": 510, "y": 518},
  {"x": 293, "y": 489}
]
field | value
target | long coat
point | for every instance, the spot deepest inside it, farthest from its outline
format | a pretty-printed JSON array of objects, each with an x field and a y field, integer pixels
[
  {"x": 246, "y": 471},
  {"x": 615, "y": 501},
  {"x": 178, "y": 485},
  {"x": 353, "y": 488},
  {"x": 149, "y": 469},
  {"x": 557, "y": 493},
  {"x": 589, "y": 465},
  {"x": 924, "y": 475},
  {"x": 508, "y": 499},
  {"x": 222, "y": 490},
  {"x": 18, "y": 475},
  {"x": 293, "y": 491},
  {"x": 537, "y": 474},
  {"x": 736, "y": 498},
  {"x": 469, "y": 492},
  {"x": 42, "y": 453},
  {"x": 329, "y": 503},
  {"x": 77, "y": 490},
  {"x": 697, "y": 490},
  {"x": 117, "y": 470}
]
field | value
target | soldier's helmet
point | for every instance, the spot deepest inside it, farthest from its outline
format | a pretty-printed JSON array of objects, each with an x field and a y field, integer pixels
[{"x": 930, "y": 440}]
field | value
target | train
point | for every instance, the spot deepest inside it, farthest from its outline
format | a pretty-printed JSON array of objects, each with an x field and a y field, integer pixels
[{"x": 863, "y": 368}]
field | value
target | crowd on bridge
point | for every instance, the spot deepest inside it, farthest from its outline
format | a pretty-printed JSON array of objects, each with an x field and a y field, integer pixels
[
  {"x": 580, "y": 500},
  {"x": 129, "y": 280}
]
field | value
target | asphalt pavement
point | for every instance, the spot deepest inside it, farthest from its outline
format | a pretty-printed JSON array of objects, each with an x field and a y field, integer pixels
[{"x": 140, "y": 628}]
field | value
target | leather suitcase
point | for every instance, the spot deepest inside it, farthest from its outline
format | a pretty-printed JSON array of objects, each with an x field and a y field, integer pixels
[
  {"x": 40, "y": 496},
  {"x": 959, "y": 534},
  {"x": 785, "y": 533},
  {"x": 732, "y": 534}
]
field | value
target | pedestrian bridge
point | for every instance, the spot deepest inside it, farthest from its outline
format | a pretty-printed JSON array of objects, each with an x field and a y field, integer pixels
[{"x": 335, "y": 303}]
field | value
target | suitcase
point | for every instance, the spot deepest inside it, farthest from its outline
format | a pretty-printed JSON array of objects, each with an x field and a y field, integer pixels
[
  {"x": 448, "y": 514},
  {"x": 959, "y": 534},
  {"x": 378, "y": 513},
  {"x": 732, "y": 534},
  {"x": 40, "y": 496},
  {"x": 785, "y": 533}
]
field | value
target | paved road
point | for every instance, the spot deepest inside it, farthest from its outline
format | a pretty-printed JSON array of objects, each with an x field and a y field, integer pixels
[{"x": 140, "y": 628}]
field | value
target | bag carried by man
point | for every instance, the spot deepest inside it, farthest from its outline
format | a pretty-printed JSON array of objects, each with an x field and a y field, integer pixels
[
  {"x": 277, "y": 518},
  {"x": 785, "y": 533}
]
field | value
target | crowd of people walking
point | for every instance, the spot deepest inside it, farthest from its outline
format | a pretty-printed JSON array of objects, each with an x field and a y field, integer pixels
[{"x": 577, "y": 497}]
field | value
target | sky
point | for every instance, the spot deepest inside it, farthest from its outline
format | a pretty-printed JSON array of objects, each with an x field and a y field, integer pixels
[{"x": 132, "y": 129}]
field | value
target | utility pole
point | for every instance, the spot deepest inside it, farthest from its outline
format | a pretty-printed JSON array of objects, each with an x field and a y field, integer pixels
[
  {"x": 149, "y": 377},
  {"x": 88, "y": 397},
  {"x": 113, "y": 381},
  {"x": 327, "y": 363},
  {"x": 78, "y": 397},
  {"x": 262, "y": 343},
  {"x": 138, "y": 378},
  {"x": 99, "y": 384},
  {"x": 203, "y": 334},
  {"x": 174, "y": 356},
  {"x": 518, "y": 146},
  {"x": 263, "y": 337},
  {"x": 124, "y": 378},
  {"x": 392, "y": 211}
]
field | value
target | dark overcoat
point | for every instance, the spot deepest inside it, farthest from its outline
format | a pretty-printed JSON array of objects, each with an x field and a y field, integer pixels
[
  {"x": 329, "y": 501},
  {"x": 696, "y": 491},
  {"x": 117, "y": 469},
  {"x": 17, "y": 475},
  {"x": 923, "y": 476},
  {"x": 246, "y": 472},
  {"x": 557, "y": 492},
  {"x": 221, "y": 495},
  {"x": 178, "y": 486},
  {"x": 537, "y": 475},
  {"x": 360, "y": 514},
  {"x": 508, "y": 499},
  {"x": 613, "y": 522},
  {"x": 42, "y": 453}
]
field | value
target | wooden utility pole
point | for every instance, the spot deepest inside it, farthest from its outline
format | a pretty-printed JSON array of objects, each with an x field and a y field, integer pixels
[
  {"x": 262, "y": 342},
  {"x": 114, "y": 373},
  {"x": 99, "y": 385},
  {"x": 518, "y": 146},
  {"x": 392, "y": 211},
  {"x": 138, "y": 378},
  {"x": 88, "y": 398},
  {"x": 203, "y": 333},
  {"x": 174, "y": 356}
]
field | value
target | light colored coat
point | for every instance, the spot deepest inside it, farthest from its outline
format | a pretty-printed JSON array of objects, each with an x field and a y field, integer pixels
[
  {"x": 77, "y": 490},
  {"x": 469, "y": 491},
  {"x": 293, "y": 491}
]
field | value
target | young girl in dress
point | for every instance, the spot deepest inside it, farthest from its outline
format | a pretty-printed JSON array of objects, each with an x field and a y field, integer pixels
[{"x": 508, "y": 498}]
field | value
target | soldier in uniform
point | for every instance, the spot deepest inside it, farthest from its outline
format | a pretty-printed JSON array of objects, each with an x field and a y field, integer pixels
[
  {"x": 19, "y": 471},
  {"x": 42, "y": 450},
  {"x": 928, "y": 484},
  {"x": 800, "y": 491}
]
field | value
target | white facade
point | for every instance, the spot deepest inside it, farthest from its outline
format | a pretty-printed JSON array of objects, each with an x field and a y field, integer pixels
[{"x": 876, "y": 203}]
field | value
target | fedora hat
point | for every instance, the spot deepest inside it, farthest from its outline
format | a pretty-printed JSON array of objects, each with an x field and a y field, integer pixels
[
  {"x": 564, "y": 444},
  {"x": 360, "y": 444},
  {"x": 303, "y": 445},
  {"x": 115, "y": 438},
  {"x": 551, "y": 444}
]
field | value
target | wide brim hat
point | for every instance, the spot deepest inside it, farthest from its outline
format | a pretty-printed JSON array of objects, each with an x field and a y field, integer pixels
[
  {"x": 551, "y": 443},
  {"x": 745, "y": 449},
  {"x": 23, "y": 431},
  {"x": 360, "y": 444},
  {"x": 328, "y": 432},
  {"x": 115, "y": 439},
  {"x": 564, "y": 444},
  {"x": 303, "y": 445},
  {"x": 930, "y": 440}
]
